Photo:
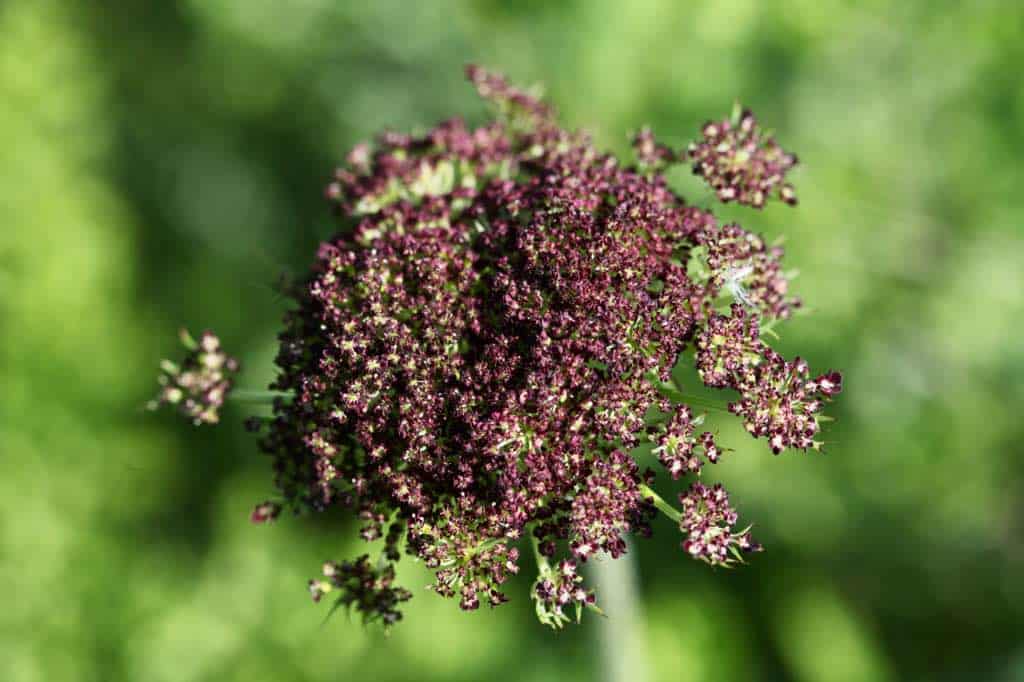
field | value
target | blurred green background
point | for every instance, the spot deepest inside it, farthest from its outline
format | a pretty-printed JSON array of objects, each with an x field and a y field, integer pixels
[{"x": 161, "y": 163}]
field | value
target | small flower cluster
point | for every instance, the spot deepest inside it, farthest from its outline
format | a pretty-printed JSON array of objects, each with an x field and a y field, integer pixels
[
  {"x": 472, "y": 359},
  {"x": 558, "y": 588},
  {"x": 778, "y": 399},
  {"x": 198, "y": 385},
  {"x": 781, "y": 403},
  {"x": 471, "y": 571},
  {"x": 708, "y": 522},
  {"x": 508, "y": 99},
  {"x": 265, "y": 512},
  {"x": 738, "y": 263},
  {"x": 728, "y": 349},
  {"x": 609, "y": 504},
  {"x": 651, "y": 155},
  {"x": 364, "y": 587},
  {"x": 679, "y": 448},
  {"x": 741, "y": 162}
]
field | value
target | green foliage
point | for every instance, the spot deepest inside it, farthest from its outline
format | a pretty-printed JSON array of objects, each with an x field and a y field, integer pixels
[{"x": 161, "y": 166}]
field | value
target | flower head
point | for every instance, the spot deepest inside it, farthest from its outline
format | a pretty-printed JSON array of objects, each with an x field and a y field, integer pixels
[{"x": 469, "y": 364}]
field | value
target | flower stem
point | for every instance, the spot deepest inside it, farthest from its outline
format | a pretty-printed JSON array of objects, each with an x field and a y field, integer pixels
[
  {"x": 542, "y": 561},
  {"x": 622, "y": 636},
  {"x": 659, "y": 502},
  {"x": 705, "y": 403},
  {"x": 248, "y": 395}
]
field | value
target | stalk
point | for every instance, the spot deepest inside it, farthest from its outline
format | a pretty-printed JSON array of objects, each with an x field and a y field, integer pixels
[
  {"x": 621, "y": 636},
  {"x": 660, "y": 503},
  {"x": 259, "y": 396}
]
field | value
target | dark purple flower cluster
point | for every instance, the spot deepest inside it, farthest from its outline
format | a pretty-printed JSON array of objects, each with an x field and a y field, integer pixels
[
  {"x": 778, "y": 399},
  {"x": 609, "y": 504},
  {"x": 739, "y": 264},
  {"x": 708, "y": 522},
  {"x": 509, "y": 100},
  {"x": 471, "y": 360},
  {"x": 650, "y": 154},
  {"x": 728, "y": 348},
  {"x": 465, "y": 566},
  {"x": 741, "y": 162},
  {"x": 198, "y": 385},
  {"x": 679, "y": 449},
  {"x": 558, "y": 588},
  {"x": 265, "y": 512},
  {"x": 365, "y": 587}
]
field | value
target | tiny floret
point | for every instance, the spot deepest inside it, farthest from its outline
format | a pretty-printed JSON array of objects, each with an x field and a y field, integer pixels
[{"x": 265, "y": 512}]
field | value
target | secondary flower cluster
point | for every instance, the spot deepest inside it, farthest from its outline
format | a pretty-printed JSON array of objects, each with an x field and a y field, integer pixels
[
  {"x": 741, "y": 162},
  {"x": 364, "y": 587},
  {"x": 200, "y": 383},
  {"x": 707, "y": 520},
  {"x": 652, "y": 155},
  {"x": 471, "y": 361},
  {"x": 679, "y": 447},
  {"x": 608, "y": 505},
  {"x": 778, "y": 399},
  {"x": 558, "y": 588}
]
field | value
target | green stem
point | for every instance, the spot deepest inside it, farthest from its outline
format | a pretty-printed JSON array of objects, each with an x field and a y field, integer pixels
[
  {"x": 542, "y": 561},
  {"x": 248, "y": 395},
  {"x": 187, "y": 340},
  {"x": 623, "y": 642},
  {"x": 705, "y": 403},
  {"x": 663, "y": 506}
]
